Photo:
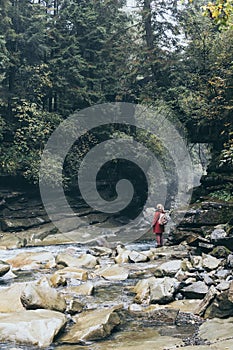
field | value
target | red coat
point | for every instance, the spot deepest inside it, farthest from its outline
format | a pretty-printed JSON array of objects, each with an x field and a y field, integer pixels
[{"x": 157, "y": 228}]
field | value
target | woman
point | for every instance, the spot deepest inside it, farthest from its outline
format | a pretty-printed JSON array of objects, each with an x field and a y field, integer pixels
[{"x": 158, "y": 229}]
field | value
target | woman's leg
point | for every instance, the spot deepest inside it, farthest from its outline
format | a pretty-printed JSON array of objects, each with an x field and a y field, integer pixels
[{"x": 158, "y": 239}]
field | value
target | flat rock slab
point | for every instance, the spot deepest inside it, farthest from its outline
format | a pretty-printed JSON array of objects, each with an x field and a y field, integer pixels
[
  {"x": 221, "y": 345},
  {"x": 217, "y": 329},
  {"x": 92, "y": 325},
  {"x": 32, "y": 261},
  {"x": 34, "y": 327},
  {"x": 113, "y": 273},
  {"x": 84, "y": 260}
]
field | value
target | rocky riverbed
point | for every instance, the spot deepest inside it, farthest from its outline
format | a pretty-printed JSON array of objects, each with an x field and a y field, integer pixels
[{"x": 135, "y": 296}]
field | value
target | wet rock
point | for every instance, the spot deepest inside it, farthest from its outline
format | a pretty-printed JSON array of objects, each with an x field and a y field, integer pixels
[
  {"x": 35, "y": 327},
  {"x": 4, "y": 268},
  {"x": 84, "y": 260},
  {"x": 113, "y": 273},
  {"x": 154, "y": 314},
  {"x": 169, "y": 268},
  {"x": 10, "y": 298},
  {"x": 217, "y": 329},
  {"x": 32, "y": 261},
  {"x": 196, "y": 290},
  {"x": 137, "y": 257},
  {"x": 210, "y": 262},
  {"x": 92, "y": 325},
  {"x": 71, "y": 273},
  {"x": 40, "y": 295},
  {"x": 219, "y": 345}
]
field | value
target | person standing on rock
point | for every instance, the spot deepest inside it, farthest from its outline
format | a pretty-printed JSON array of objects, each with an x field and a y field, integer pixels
[{"x": 158, "y": 224}]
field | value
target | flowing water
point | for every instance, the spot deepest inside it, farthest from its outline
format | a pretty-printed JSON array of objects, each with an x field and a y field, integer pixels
[{"x": 107, "y": 293}]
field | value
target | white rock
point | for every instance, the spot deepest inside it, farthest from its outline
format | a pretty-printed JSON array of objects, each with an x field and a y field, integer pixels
[{"x": 34, "y": 327}]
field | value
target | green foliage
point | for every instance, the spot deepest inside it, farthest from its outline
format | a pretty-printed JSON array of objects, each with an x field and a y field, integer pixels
[{"x": 222, "y": 195}]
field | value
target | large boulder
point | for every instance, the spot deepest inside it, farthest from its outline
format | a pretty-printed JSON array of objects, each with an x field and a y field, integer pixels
[
  {"x": 137, "y": 257},
  {"x": 83, "y": 289},
  {"x": 32, "y": 261},
  {"x": 34, "y": 328},
  {"x": 92, "y": 325},
  {"x": 40, "y": 295},
  {"x": 155, "y": 290}
]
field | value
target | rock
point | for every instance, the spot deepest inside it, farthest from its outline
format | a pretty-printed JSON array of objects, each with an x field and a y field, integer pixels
[
  {"x": 217, "y": 329},
  {"x": 113, "y": 273},
  {"x": 186, "y": 265},
  {"x": 196, "y": 290},
  {"x": 57, "y": 280},
  {"x": 122, "y": 255},
  {"x": 32, "y": 261},
  {"x": 100, "y": 251},
  {"x": 222, "y": 305},
  {"x": 210, "y": 262},
  {"x": 230, "y": 260},
  {"x": 84, "y": 260},
  {"x": 142, "y": 290},
  {"x": 4, "y": 268},
  {"x": 185, "y": 305},
  {"x": 224, "y": 285},
  {"x": 10, "y": 298},
  {"x": 71, "y": 272},
  {"x": 83, "y": 289},
  {"x": 220, "y": 252},
  {"x": 154, "y": 314},
  {"x": 162, "y": 291},
  {"x": 223, "y": 274},
  {"x": 40, "y": 295},
  {"x": 17, "y": 224},
  {"x": 169, "y": 268},
  {"x": 137, "y": 257},
  {"x": 210, "y": 295},
  {"x": 74, "y": 307},
  {"x": 92, "y": 325},
  {"x": 217, "y": 234},
  {"x": 220, "y": 345},
  {"x": 197, "y": 262},
  {"x": 206, "y": 278},
  {"x": 155, "y": 290},
  {"x": 33, "y": 328}
]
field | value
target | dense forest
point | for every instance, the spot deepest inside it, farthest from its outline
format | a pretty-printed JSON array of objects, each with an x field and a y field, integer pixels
[{"x": 59, "y": 56}]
